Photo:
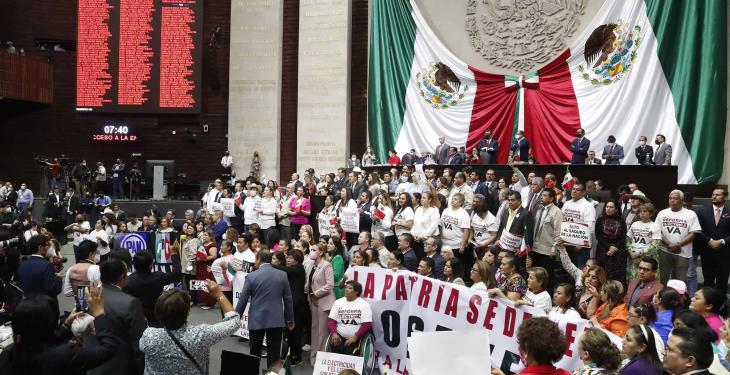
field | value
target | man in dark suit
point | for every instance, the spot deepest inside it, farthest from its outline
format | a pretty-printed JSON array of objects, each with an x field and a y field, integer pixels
[
  {"x": 579, "y": 146},
  {"x": 129, "y": 322},
  {"x": 71, "y": 205},
  {"x": 425, "y": 268},
  {"x": 612, "y": 152},
  {"x": 642, "y": 290},
  {"x": 297, "y": 276},
  {"x": 644, "y": 153},
  {"x": 268, "y": 289},
  {"x": 441, "y": 154},
  {"x": 454, "y": 157},
  {"x": 405, "y": 245},
  {"x": 714, "y": 241},
  {"x": 355, "y": 184},
  {"x": 520, "y": 149},
  {"x": 516, "y": 220},
  {"x": 409, "y": 158},
  {"x": 147, "y": 285},
  {"x": 592, "y": 160},
  {"x": 488, "y": 148},
  {"x": 688, "y": 352},
  {"x": 432, "y": 248},
  {"x": 36, "y": 275}
]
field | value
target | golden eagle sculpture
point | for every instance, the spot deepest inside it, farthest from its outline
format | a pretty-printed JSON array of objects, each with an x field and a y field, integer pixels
[
  {"x": 600, "y": 43},
  {"x": 443, "y": 76}
]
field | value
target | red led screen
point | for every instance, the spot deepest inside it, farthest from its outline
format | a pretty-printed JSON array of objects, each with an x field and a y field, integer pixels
[{"x": 139, "y": 56}]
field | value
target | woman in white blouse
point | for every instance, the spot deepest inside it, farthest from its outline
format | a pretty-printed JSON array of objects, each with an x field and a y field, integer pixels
[
  {"x": 267, "y": 216},
  {"x": 325, "y": 216},
  {"x": 383, "y": 225},
  {"x": 482, "y": 279},
  {"x": 455, "y": 225},
  {"x": 345, "y": 200},
  {"x": 403, "y": 217},
  {"x": 101, "y": 237},
  {"x": 426, "y": 219}
]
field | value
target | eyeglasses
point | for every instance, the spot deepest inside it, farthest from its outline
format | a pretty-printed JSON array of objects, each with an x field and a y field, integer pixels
[{"x": 644, "y": 269}]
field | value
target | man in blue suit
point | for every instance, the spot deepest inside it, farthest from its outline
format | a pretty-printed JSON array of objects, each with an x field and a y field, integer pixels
[
  {"x": 520, "y": 149},
  {"x": 713, "y": 243},
  {"x": 488, "y": 148},
  {"x": 267, "y": 288},
  {"x": 454, "y": 157},
  {"x": 580, "y": 147},
  {"x": 612, "y": 152},
  {"x": 36, "y": 275}
]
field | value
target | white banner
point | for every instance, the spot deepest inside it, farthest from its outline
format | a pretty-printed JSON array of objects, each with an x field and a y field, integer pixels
[
  {"x": 242, "y": 265},
  {"x": 332, "y": 363},
  {"x": 228, "y": 205},
  {"x": 510, "y": 241},
  {"x": 350, "y": 220},
  {"x": 404, "y": 302},
  {"x": 575, "y": 234}
]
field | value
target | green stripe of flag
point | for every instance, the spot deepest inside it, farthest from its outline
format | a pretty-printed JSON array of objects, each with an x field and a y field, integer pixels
[
  {"x": 392, "y": 36},
  {"x": 692, "y": 49}
]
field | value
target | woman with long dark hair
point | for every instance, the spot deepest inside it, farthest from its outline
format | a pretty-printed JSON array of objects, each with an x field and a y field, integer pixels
[
  {"x": 454, "y": 271},
  {"x": 336, "y": 252},
  {"x": 638, "y": 346},
  {"x": 565, "y": 303},
  {"x": 611, "y": 242},
  {"x": 667, "y": 301}
]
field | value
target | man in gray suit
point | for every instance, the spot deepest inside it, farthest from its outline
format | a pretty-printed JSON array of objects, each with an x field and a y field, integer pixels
[
  {"x": 129, "y": 322},
  {"x": 268, "y": 289},
  {"x": 663, "y": 151},
  {"x": 442, "y": 152}
]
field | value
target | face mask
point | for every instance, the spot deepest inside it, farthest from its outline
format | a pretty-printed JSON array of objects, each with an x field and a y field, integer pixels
[
  {"x": 722, "y": 349},
  {"x": 403, "y": 178},
  {"x": 79, "y": 221},
  {"x": 354, "y": 158},
  {"x": 517, "y": 136},
  {"x": 313, "y": 255},
  {"x": 9, "y": 209},
  {"x": 68, "y": 194},
  {"x": 641, "y": 143},
  {"x": 656, "y": 141},
  {"x": 22, "y": 188}
]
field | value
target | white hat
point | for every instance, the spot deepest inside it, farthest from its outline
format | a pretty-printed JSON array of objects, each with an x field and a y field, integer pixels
[
  {"x": 357, "y": 170},
  {"x": 108, "y": 211},
  {"x": 677, "y": 285}
]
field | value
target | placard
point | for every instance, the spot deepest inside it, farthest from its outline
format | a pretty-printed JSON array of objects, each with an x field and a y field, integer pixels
[
  {"x": 469, "y": 348},
  {"x": 333, "y": 363},
  {"x": 350, "y": 220},
  {"x": 228, "y": 207},
  {"x": 575, "y": 234},
  {"x": 510, "y": 241}
]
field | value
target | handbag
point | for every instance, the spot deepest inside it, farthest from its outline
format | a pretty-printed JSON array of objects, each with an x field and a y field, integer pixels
[{"x": 190, "y": 357}]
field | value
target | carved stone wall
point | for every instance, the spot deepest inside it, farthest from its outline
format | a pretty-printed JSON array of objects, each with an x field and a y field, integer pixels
[{"x": 508, "y": 36}]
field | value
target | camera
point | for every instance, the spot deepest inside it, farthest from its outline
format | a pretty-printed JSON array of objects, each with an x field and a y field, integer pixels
[{"x": 10, "y": 242}]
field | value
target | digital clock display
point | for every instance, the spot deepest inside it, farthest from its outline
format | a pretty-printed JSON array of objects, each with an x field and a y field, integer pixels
[{"x": 114, "y": 132}]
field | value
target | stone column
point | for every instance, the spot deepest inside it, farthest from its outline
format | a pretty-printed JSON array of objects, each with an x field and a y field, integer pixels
[
  {"x": 254, "y": 95},
  {"x": 323, "y": 120}
]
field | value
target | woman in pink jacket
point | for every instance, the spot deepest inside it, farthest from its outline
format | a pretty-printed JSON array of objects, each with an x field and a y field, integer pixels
[{"x": 321, "y": 297}]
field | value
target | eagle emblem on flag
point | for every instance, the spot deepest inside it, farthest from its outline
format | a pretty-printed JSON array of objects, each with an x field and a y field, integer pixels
[
  {"x": 610, "y": 52},
  {"x": 439, "y": 86}
]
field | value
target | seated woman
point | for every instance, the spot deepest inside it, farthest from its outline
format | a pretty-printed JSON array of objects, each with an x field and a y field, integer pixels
[
  {"x": 638, "y": 347},
  {"x": 350, "y": 319},
  {"x": 599, "y": 355},
  {"x": 612, "y": 315},
  {"x": 510, "y": 283},
  {"x": 536, "y": 294},
  {"x": 646, "y": 316},
  {"x": 708, "y": 302}
]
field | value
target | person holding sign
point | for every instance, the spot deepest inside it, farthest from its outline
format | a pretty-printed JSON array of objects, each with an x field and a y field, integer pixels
[
  {"x": 301, "y": 209},
  {"x": 515, "y": 225},
  {"x": 349, "y": 320},
  {"x": 579, "y": 218}
]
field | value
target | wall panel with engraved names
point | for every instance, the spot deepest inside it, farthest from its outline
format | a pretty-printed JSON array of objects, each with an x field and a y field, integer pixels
[{"x": 142, "y": 56}]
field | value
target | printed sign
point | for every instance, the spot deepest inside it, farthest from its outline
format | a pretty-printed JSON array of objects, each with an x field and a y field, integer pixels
[
  {"x": 510, "y": 241},
  {"x": 332, "y": 363},
  {"x": 575, "y": 234},
  {"x": 350, "y": 220}
]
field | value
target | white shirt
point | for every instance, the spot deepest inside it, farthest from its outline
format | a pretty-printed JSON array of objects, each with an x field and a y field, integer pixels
[
  {"x": 426, "y": 222},
  {"x": 642, "y": 234},
  {"x": 349, "y": 315},
  {"x": 483, "y": 228},
  {"x": 134, "y": 227},
  {"x": 468, "y": 193},
  {"x": 324, "y": 217},
  {"x": 675, "y": 225},
  {"x": 382, "y": 225},
  {"x": 98, "y": 236},
  {"x": 214, "y": 196},
  {"x": 556, "y": 313},
  {"x": 580, "y": 211},
  {"x": 479, "y": 287},
  {"x": 268, "y": 213},
  {"x": 541, "y": 300},
  {"x": 250, "y": 212},
  {"x": 226, "y": 161},
  {"x": 453, "y": 223},
  {"x": 404, "y": 215},
  {"x": 79, "y": 236}
]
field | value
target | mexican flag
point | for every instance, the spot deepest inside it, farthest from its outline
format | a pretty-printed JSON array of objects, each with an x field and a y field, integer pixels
[{"x": 640, "y": 67}]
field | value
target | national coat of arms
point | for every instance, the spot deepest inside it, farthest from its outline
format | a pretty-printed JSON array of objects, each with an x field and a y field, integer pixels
[
  {"x": 610, "y": 52},
  {"x": 439, "y": 87}
]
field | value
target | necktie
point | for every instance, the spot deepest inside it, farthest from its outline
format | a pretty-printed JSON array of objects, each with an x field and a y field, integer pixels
[
  {"x": 718, "y": 211},
  {"x": 540, "y": 212},
  {"x": 610, "y": 151}
]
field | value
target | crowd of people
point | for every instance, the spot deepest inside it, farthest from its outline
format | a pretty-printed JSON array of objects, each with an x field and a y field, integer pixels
[{"x": 498, "y": 235}]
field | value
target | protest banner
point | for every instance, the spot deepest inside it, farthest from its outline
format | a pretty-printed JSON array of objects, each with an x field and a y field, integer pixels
[
  {"x": 404, "y": 302},
  {"x": 241, "y": 265},
  {"x": 510, "y": 241},
  {"x": 228, "y": 207},
  {"x": 332, "y": 363},
  {"x": 350, "y": 220},
  {"x": 575, "y": 234},
  {"x": 468, "y": 348}
]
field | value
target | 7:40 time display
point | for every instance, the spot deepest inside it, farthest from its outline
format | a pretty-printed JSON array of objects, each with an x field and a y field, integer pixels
[{"x": 110, "y": 129}]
